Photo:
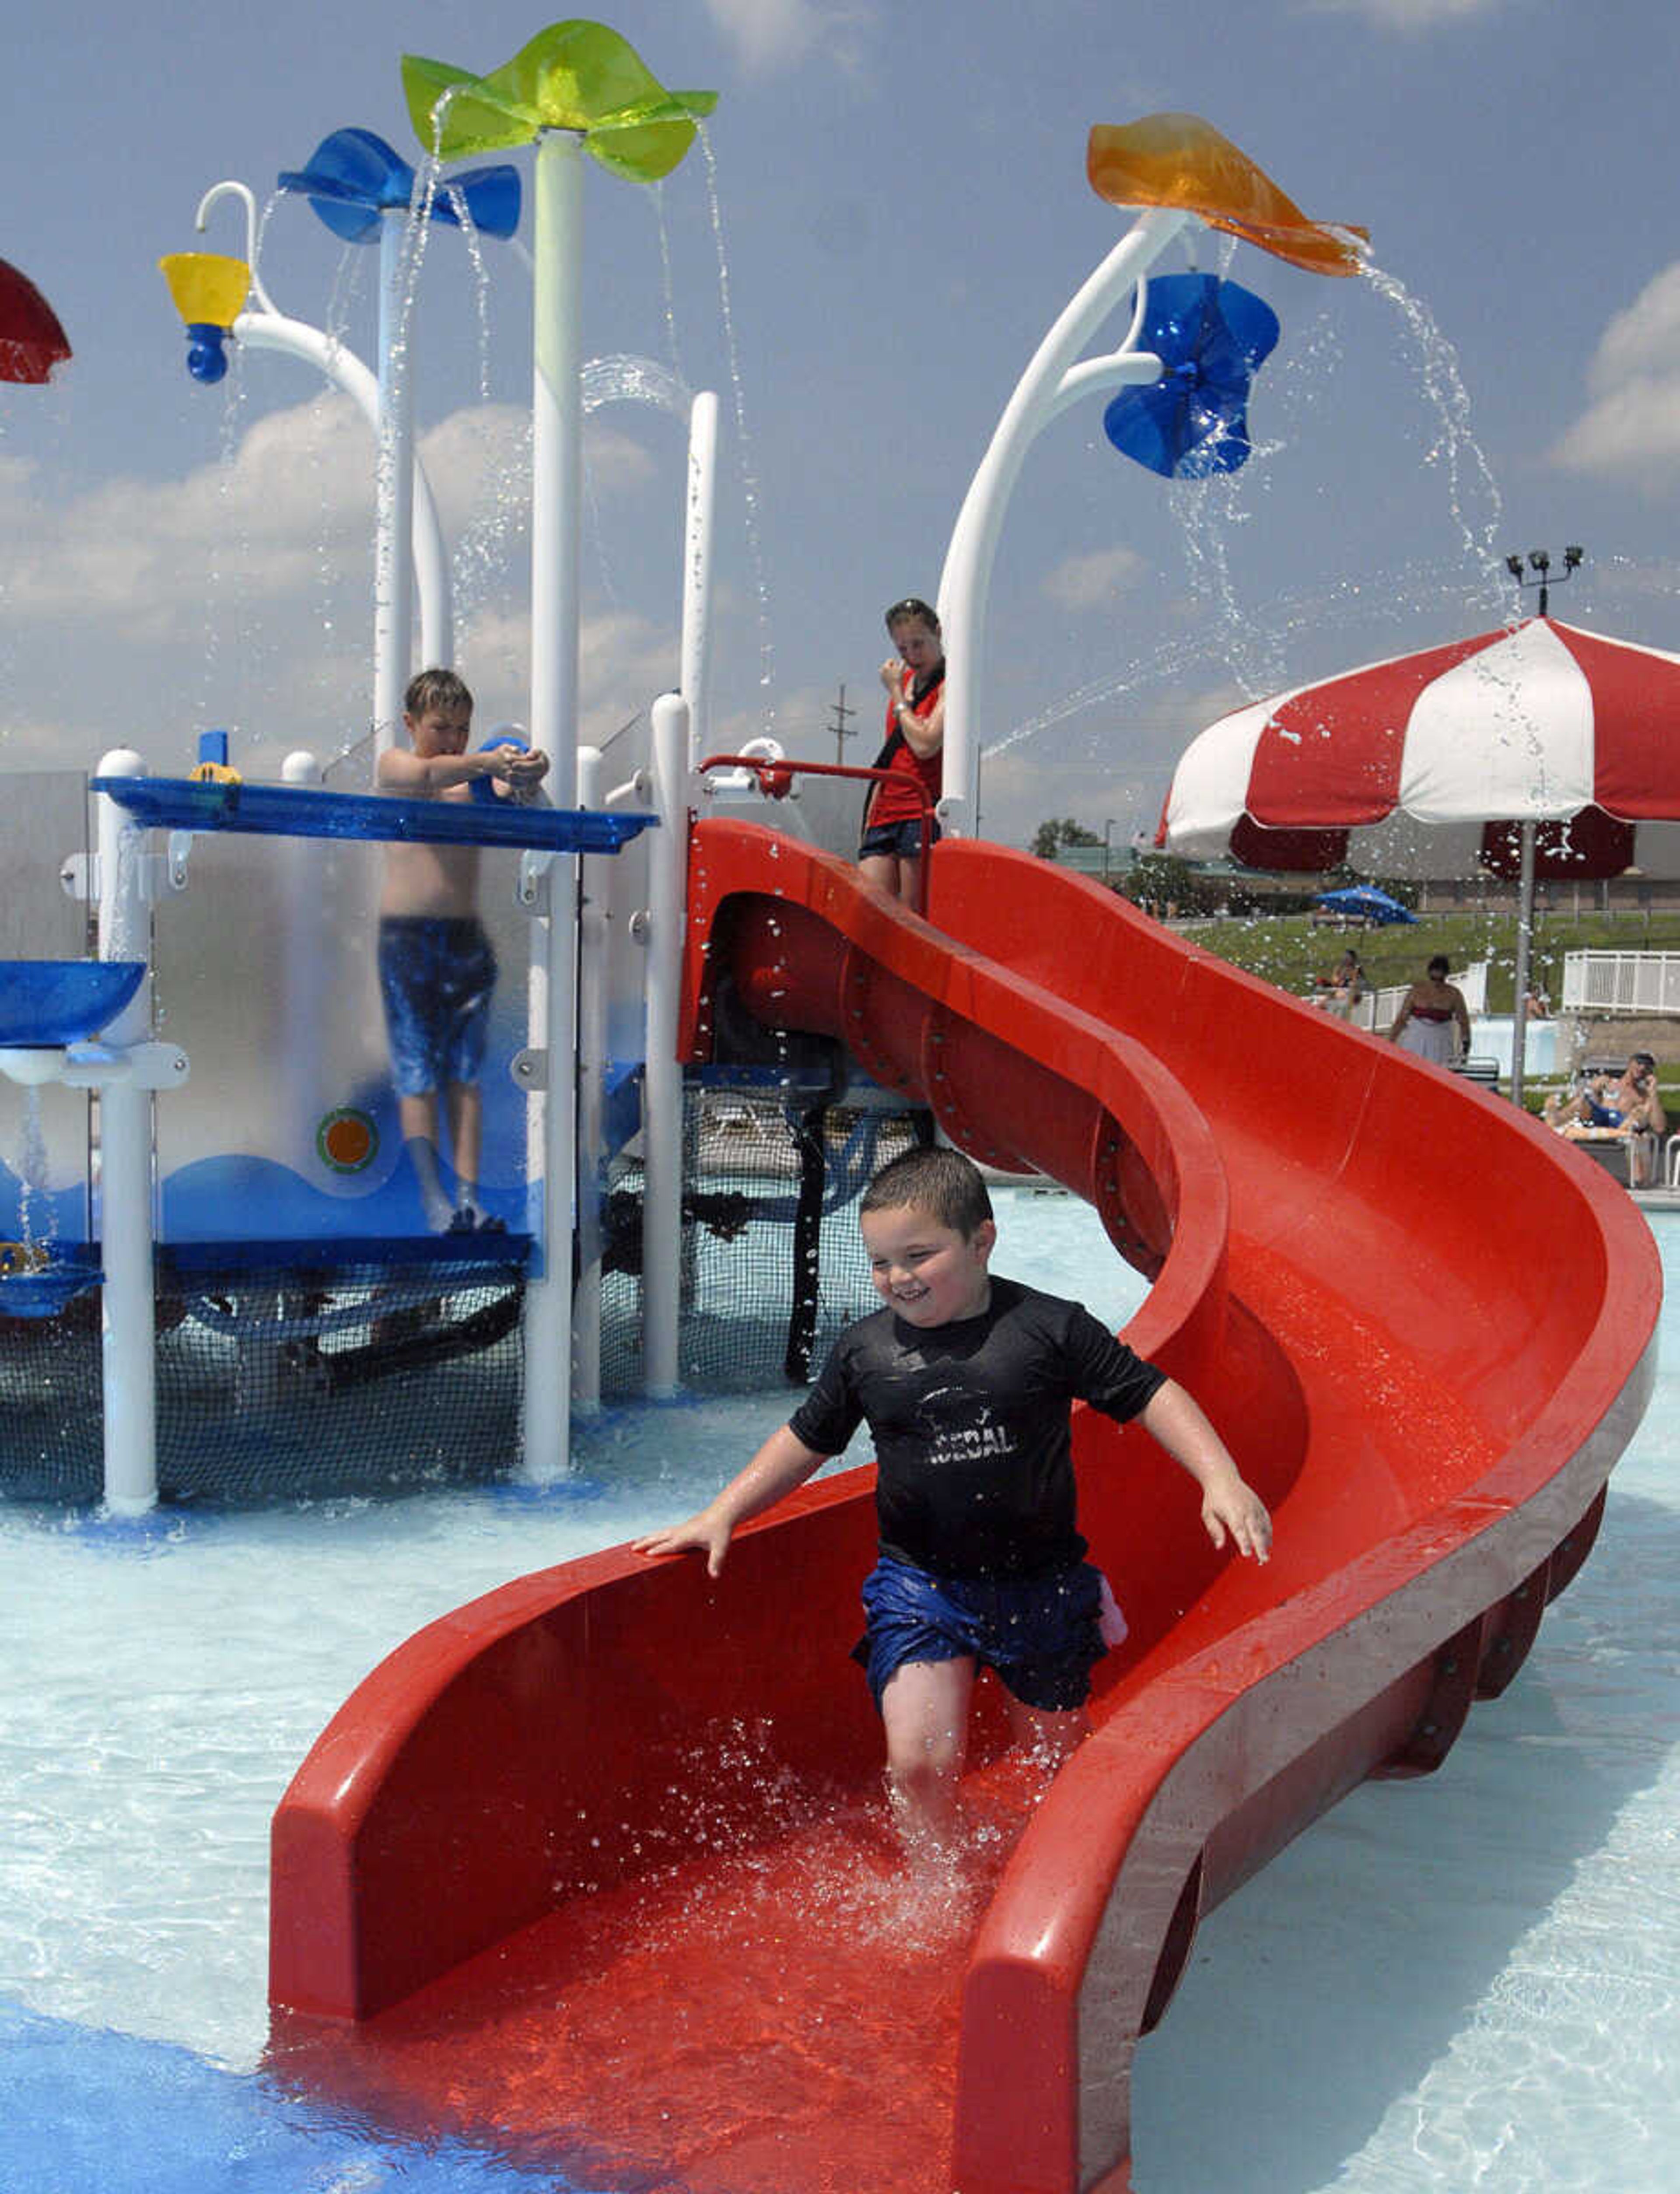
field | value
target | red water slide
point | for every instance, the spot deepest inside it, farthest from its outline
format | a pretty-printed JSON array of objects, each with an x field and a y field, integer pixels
[{"x": 594, "y": 1868}]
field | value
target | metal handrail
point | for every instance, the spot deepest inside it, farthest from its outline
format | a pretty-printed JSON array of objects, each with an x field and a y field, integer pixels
[{"x": 776, "y": 774}]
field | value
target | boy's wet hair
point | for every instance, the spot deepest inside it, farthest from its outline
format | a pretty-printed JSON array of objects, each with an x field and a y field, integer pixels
[
  {"x": 912, "y": 606},
  {"x": 435, "y": 689},
  {"x": 944, "y": 1184}
]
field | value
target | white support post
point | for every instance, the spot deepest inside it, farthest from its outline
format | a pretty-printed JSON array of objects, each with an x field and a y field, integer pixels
[
  {"x": 1525, "y": 949},
  {"x": 695, "y": 679},
  {"x": 557, "y": 427},
  {"x": 393, "y": 490},
  {"x": 304, "y": 964},
  {"x": 127, "y": 1311},
  {"x": 662, "y": 1077},
  {"x": 594, "y": 918},
  {"x": 1048, "y": 384}
]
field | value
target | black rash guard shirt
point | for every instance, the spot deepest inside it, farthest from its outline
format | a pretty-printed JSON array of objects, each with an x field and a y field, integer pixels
[{"x": 970, "y": 1425}]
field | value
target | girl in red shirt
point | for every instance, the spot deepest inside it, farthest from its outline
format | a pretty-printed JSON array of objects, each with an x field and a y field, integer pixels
[{"x": 890, "y": 855}]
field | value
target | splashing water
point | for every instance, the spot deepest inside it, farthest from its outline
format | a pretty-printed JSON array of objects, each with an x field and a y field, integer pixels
[
  {"x": 1208, "y": 512},
  {"x": 668, "y": 280},
  {"x": 624, "y": 378},
  {"x": 33, "y": 1181},
  {"x": 476, "y": 260},
  {"x": 749, "y": 479},
  {"x": 1255, "y": 650},
  {"x": 1455, "y": 447}
]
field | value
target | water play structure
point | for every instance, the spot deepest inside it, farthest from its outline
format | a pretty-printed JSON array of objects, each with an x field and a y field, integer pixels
[{"x": 592, "y": 1869}]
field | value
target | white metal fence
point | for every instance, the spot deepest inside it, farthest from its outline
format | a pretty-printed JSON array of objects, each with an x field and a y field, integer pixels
[{"x": 1621, "y": 982}]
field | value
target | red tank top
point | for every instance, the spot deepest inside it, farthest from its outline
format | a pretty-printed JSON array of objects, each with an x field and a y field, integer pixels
[{"x": 897, "y": 801}]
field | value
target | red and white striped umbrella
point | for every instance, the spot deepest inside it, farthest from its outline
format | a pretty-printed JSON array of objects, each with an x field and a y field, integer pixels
[
  {"x": 1430, "y": 764},
  {"x": 31, "y": 341}
]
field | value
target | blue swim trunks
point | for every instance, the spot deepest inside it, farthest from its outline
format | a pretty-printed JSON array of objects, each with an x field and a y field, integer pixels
[
  {"x": 903, "y": 839},
  {"x": 1041, "y": 1633},
  {"x": 436, "y": 974}
]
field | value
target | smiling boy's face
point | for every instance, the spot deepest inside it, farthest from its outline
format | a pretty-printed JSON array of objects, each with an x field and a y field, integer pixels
[{"x": 929, "y": 1273}]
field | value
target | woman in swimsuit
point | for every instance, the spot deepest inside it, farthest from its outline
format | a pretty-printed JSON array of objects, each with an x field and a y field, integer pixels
[{"x": 1433, "y": 1022}]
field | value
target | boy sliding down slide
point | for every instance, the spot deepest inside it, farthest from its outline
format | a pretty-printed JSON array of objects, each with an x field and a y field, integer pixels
[{"x": 967, "y": 1383}]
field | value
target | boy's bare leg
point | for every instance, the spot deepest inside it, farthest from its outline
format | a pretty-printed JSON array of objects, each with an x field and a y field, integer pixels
[
  {"x": 925, "y": 1710},
  {"x": 418, "y": 1119},
  {"x": 466, "y": 1103},
  {"x": 1048, "y": 1736}
]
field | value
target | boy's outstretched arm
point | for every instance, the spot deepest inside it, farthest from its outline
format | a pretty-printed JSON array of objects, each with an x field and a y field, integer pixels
[
  {"x": 1229, "y": 1503},
  {"x": 781, "y": 1464}
]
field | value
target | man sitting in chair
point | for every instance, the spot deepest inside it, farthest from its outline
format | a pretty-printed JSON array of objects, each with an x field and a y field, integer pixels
[{"x": 1629, "y": 1105}]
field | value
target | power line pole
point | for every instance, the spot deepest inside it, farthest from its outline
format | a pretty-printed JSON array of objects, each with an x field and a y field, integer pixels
[{"x": 839, "y": 725}]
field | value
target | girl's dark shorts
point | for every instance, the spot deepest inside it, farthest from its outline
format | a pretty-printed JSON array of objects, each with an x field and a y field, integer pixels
[
  {"x": 1040, "y": 1633},
  {"x": 903, "y": 839}
]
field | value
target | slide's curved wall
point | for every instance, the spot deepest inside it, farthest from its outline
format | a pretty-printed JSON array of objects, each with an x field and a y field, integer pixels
[{"x": 1422, "y": 1325}]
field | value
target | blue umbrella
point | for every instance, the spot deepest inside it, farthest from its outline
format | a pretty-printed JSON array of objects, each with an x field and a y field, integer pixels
[
  {"x": 1210, "y": 336},
  {"x": 354, "y": 177},
  {"x": 1366, "y": 900}
]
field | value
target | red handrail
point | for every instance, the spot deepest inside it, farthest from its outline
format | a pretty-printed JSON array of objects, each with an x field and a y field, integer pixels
[{"x": 776, "y": 781}]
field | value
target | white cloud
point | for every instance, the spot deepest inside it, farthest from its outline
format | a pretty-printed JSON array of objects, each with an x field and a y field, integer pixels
[
  {"x": 241, "y": 594},
  {"x": 772, "y": 34},
  {"x": 1630, "y": 429},
  {"x": 1088, "y": 582},
  {"x": 478, "y": 463},
  {"x": 288, "y": 517}
]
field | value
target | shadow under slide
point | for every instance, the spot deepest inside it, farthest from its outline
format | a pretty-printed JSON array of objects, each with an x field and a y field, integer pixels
[{"x": 596, "y": 1870}]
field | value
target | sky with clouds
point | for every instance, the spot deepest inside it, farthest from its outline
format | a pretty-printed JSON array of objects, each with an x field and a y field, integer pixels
[{"x": 889, "y": 212}]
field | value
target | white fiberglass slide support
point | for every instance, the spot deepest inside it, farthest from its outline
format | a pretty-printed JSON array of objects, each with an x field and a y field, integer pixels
[
  {"x": 127, "y": 1314},
  {"x": 303, "y": 973},
  {"x": 662, "y": 1072},
  {"x": 695, "y": 679},
  {"x": 393, "y": 487},
  {"x": 596, "y": 874},
  {"x": 1050, "y": 383},
  {"x": 557, "y": 473},
  {"x": 297, "y": 339}
]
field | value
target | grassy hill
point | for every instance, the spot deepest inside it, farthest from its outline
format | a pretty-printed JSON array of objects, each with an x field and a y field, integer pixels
[{"x": 1287, "y": 950}]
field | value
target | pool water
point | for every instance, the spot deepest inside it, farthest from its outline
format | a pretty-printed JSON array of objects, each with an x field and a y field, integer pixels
[{"x": 1473, "y": 1981}]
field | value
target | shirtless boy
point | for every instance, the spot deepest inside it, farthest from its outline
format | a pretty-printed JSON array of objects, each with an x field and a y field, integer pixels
[{"x": 436, "y": 966}]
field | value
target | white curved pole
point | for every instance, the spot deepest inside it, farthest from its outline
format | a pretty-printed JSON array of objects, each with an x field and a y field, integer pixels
[
  {"x": 393, "y": 491},
  {"x": 696, "y": 675},
  {"x": 404, "y": 507},
  {"x": 247, "y": 199},
  {"x": 277, "y": 331},
  {"x": 1049, "y": 384}
]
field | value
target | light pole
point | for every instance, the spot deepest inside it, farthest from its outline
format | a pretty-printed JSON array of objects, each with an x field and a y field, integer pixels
[{"x": 1539, "y": 563}]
